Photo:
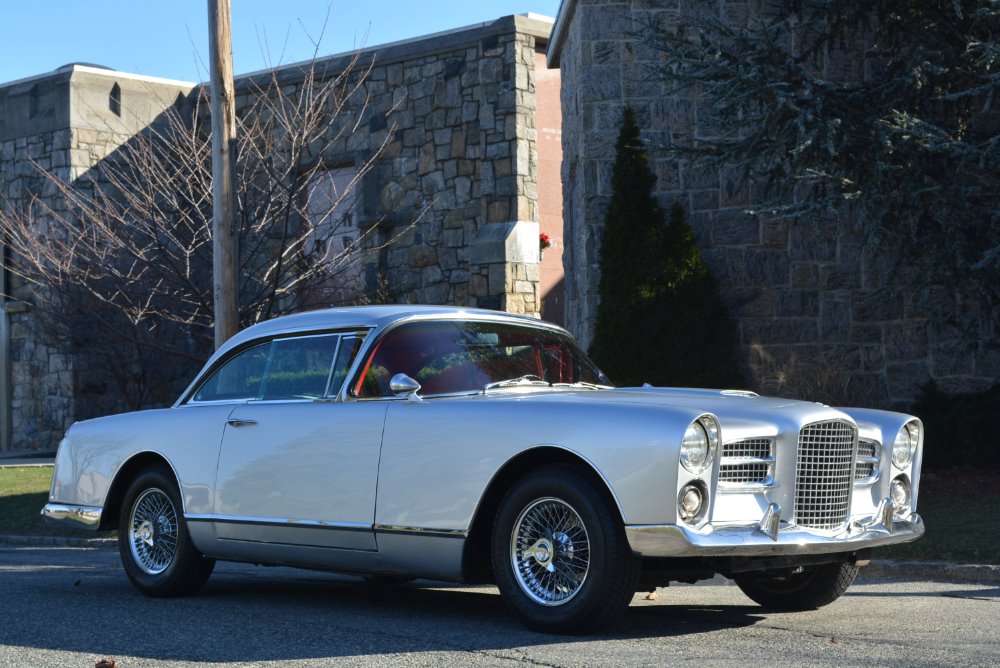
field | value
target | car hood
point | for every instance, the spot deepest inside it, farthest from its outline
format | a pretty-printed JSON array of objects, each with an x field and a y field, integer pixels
[
  {"x": 742, "y": 414},
  {"x": 699, "y": 399}
]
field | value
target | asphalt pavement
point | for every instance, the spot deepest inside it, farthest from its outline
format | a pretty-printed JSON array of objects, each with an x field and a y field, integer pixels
[{"x": 71, "y": 607}]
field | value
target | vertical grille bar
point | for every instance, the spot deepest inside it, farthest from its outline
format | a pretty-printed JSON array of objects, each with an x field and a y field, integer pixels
[{"x": 824, "y": 474}]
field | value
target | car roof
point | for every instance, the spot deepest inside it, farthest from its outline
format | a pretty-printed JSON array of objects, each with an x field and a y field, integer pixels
[
  {"x": 357, "y": 318},
  {"x": 365, "y": 317}
]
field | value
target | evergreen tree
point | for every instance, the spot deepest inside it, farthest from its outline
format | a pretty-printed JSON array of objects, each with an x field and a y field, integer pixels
[
  {"x": 881, "y": 111},
  {"x": 660, "y": 319}
]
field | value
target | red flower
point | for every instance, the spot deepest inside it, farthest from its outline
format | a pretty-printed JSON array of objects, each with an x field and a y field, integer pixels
[{"x": 544, "y": 241}]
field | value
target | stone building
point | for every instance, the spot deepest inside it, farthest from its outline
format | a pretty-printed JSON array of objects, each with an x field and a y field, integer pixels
[
  {"x": 63, "y": 122},
  {"x": 470, "y": 121},
  {"x": 811, "y": 302}
]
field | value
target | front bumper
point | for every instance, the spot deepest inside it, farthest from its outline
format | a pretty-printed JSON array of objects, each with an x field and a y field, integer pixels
[
  {"x": 671, "y": 540},
  {"x": 72, "y": 516}
]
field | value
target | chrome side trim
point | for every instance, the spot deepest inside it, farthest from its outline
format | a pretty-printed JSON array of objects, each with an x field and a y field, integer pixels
[
  {"x": 278, "y": 522},
  {"x": 74, "y": 517},
  {"x": 421, "y": 531},
  {"x": 671, "y": 540}
]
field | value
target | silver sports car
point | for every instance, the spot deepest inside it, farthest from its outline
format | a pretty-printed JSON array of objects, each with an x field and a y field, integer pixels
[{"x": 401, "y": 442}]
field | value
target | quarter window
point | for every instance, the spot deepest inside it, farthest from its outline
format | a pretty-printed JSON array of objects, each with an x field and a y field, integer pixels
[{"x": 240, "y": 378}]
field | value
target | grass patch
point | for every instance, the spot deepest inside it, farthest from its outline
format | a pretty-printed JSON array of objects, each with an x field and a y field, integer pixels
[
  {"x": 23, "y": 492},
  {"x": 961, "y": 511}
]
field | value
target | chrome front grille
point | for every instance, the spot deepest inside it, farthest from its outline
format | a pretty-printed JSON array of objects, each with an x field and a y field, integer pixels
[
  {"x": 824, "y": 474},
  {"x": 866, "y": 470},
  {"x": 747, "y": 462}
]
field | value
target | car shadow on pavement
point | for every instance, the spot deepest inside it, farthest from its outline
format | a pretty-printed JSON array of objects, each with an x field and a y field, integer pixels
[{"x": 252, "y": 618}]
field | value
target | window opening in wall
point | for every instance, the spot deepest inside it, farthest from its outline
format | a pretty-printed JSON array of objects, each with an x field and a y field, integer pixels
[
  {"x": 33, "y": 102},
  {"x": 115, "y": 100},
  {"x": 334, "y": 237}
]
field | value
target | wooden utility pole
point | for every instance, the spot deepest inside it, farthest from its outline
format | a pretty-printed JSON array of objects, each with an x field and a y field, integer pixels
[{"x": 224, "y": 250}]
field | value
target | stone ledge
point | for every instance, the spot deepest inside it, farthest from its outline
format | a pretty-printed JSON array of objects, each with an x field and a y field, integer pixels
[{"x": 514, "y": 241}]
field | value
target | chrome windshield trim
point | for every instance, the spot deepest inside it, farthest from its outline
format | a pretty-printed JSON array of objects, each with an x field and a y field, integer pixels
[
  {"x": 278, "y": 522},
  {"x": 72, "y": 516},
  {"x": 421, "y": 531}
]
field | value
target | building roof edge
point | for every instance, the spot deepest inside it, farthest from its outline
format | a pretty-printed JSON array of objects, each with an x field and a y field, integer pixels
[{"x": 567, "y": 8}]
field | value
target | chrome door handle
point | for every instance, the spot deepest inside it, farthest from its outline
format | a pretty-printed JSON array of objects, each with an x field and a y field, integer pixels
[{"x": 233, "y": 422}]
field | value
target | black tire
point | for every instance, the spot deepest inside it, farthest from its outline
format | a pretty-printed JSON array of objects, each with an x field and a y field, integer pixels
[
  {"x": 157, "y": 552},
  {"x": 812, "y": 588},
  {"x": 581, "y": 600}
]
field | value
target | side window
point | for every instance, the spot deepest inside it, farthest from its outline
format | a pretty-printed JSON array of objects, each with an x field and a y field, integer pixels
[
  {"x": 239, "y": 378},
  {"x": 305, "y": 367},
  {"x": 300, "y": 368}
]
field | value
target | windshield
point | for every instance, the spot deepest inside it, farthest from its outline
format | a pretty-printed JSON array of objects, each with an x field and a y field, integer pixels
[{"x": 465, "y": 356}]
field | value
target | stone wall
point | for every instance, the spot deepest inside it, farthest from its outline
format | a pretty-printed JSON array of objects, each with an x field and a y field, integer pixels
[
  {"x": 456, "y": 114},
  {"x": 63, "y": 123},
  {"x": 37, "y": 378},
  {"x": 819, "y": 314}
]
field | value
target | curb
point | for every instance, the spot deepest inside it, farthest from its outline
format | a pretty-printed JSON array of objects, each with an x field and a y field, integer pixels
[
  {"x": 57, "y": 541},
  {"x": 937, "y": 571}
]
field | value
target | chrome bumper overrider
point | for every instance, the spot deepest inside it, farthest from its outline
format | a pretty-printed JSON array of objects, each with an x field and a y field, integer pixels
[
  {"x": 74, "y": 517},
  {"x": 671, "y": 540}
]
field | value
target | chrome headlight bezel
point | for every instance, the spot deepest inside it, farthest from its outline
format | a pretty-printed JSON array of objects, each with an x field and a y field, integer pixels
[
  {"x": 901, "y": 493},
  {"x": 699, "y": 444},
  {"x": 695, "y": 491},
  {"x": 905, "y": 445}
]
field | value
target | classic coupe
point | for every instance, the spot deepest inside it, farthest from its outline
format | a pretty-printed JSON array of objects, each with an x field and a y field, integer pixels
[{"x": 403, "y": 442}]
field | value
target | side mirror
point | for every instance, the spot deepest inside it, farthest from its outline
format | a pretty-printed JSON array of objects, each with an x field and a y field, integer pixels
[{"x": 404, "y": 386}]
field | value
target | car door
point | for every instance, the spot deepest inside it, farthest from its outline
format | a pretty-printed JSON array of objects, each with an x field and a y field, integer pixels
[{"x": 296, "y": 467}]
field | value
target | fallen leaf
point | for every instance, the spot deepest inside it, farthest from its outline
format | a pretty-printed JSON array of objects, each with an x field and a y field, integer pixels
[{"x": 833, "y": 640}]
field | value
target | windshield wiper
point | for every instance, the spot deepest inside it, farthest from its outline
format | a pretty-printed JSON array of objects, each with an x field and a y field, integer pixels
[{"x": 527, "y": 379}]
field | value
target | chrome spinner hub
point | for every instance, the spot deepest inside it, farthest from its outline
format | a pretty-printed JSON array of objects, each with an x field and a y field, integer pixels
[{"x": 550, "y": 551}]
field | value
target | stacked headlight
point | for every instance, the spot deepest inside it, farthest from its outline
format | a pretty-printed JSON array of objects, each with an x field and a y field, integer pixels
[
  {"x": 899, "y": 492},
  {"x": 699, "y": 444},
  {"x": 691, "y": 502},
  {"x": 905, "y": 445}
]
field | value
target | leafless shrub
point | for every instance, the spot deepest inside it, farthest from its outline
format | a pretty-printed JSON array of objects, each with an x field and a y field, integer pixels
[{"x": 119, "y": 258}]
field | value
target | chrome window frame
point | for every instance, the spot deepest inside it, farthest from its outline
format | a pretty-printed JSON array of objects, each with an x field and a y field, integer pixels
[{"x": 362, "y": 332}]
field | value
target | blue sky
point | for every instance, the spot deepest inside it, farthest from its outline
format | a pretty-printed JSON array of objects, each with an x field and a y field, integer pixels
[{"x": 170, "y": 38}]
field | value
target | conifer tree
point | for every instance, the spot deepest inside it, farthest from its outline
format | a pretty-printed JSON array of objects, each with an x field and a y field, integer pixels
[{"x": 660, "y": 318}]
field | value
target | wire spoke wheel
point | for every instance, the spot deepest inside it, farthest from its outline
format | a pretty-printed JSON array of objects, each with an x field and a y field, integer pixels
[
  {"x": 153, "y": 531},
  {"x": 550, "y": 551}
]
